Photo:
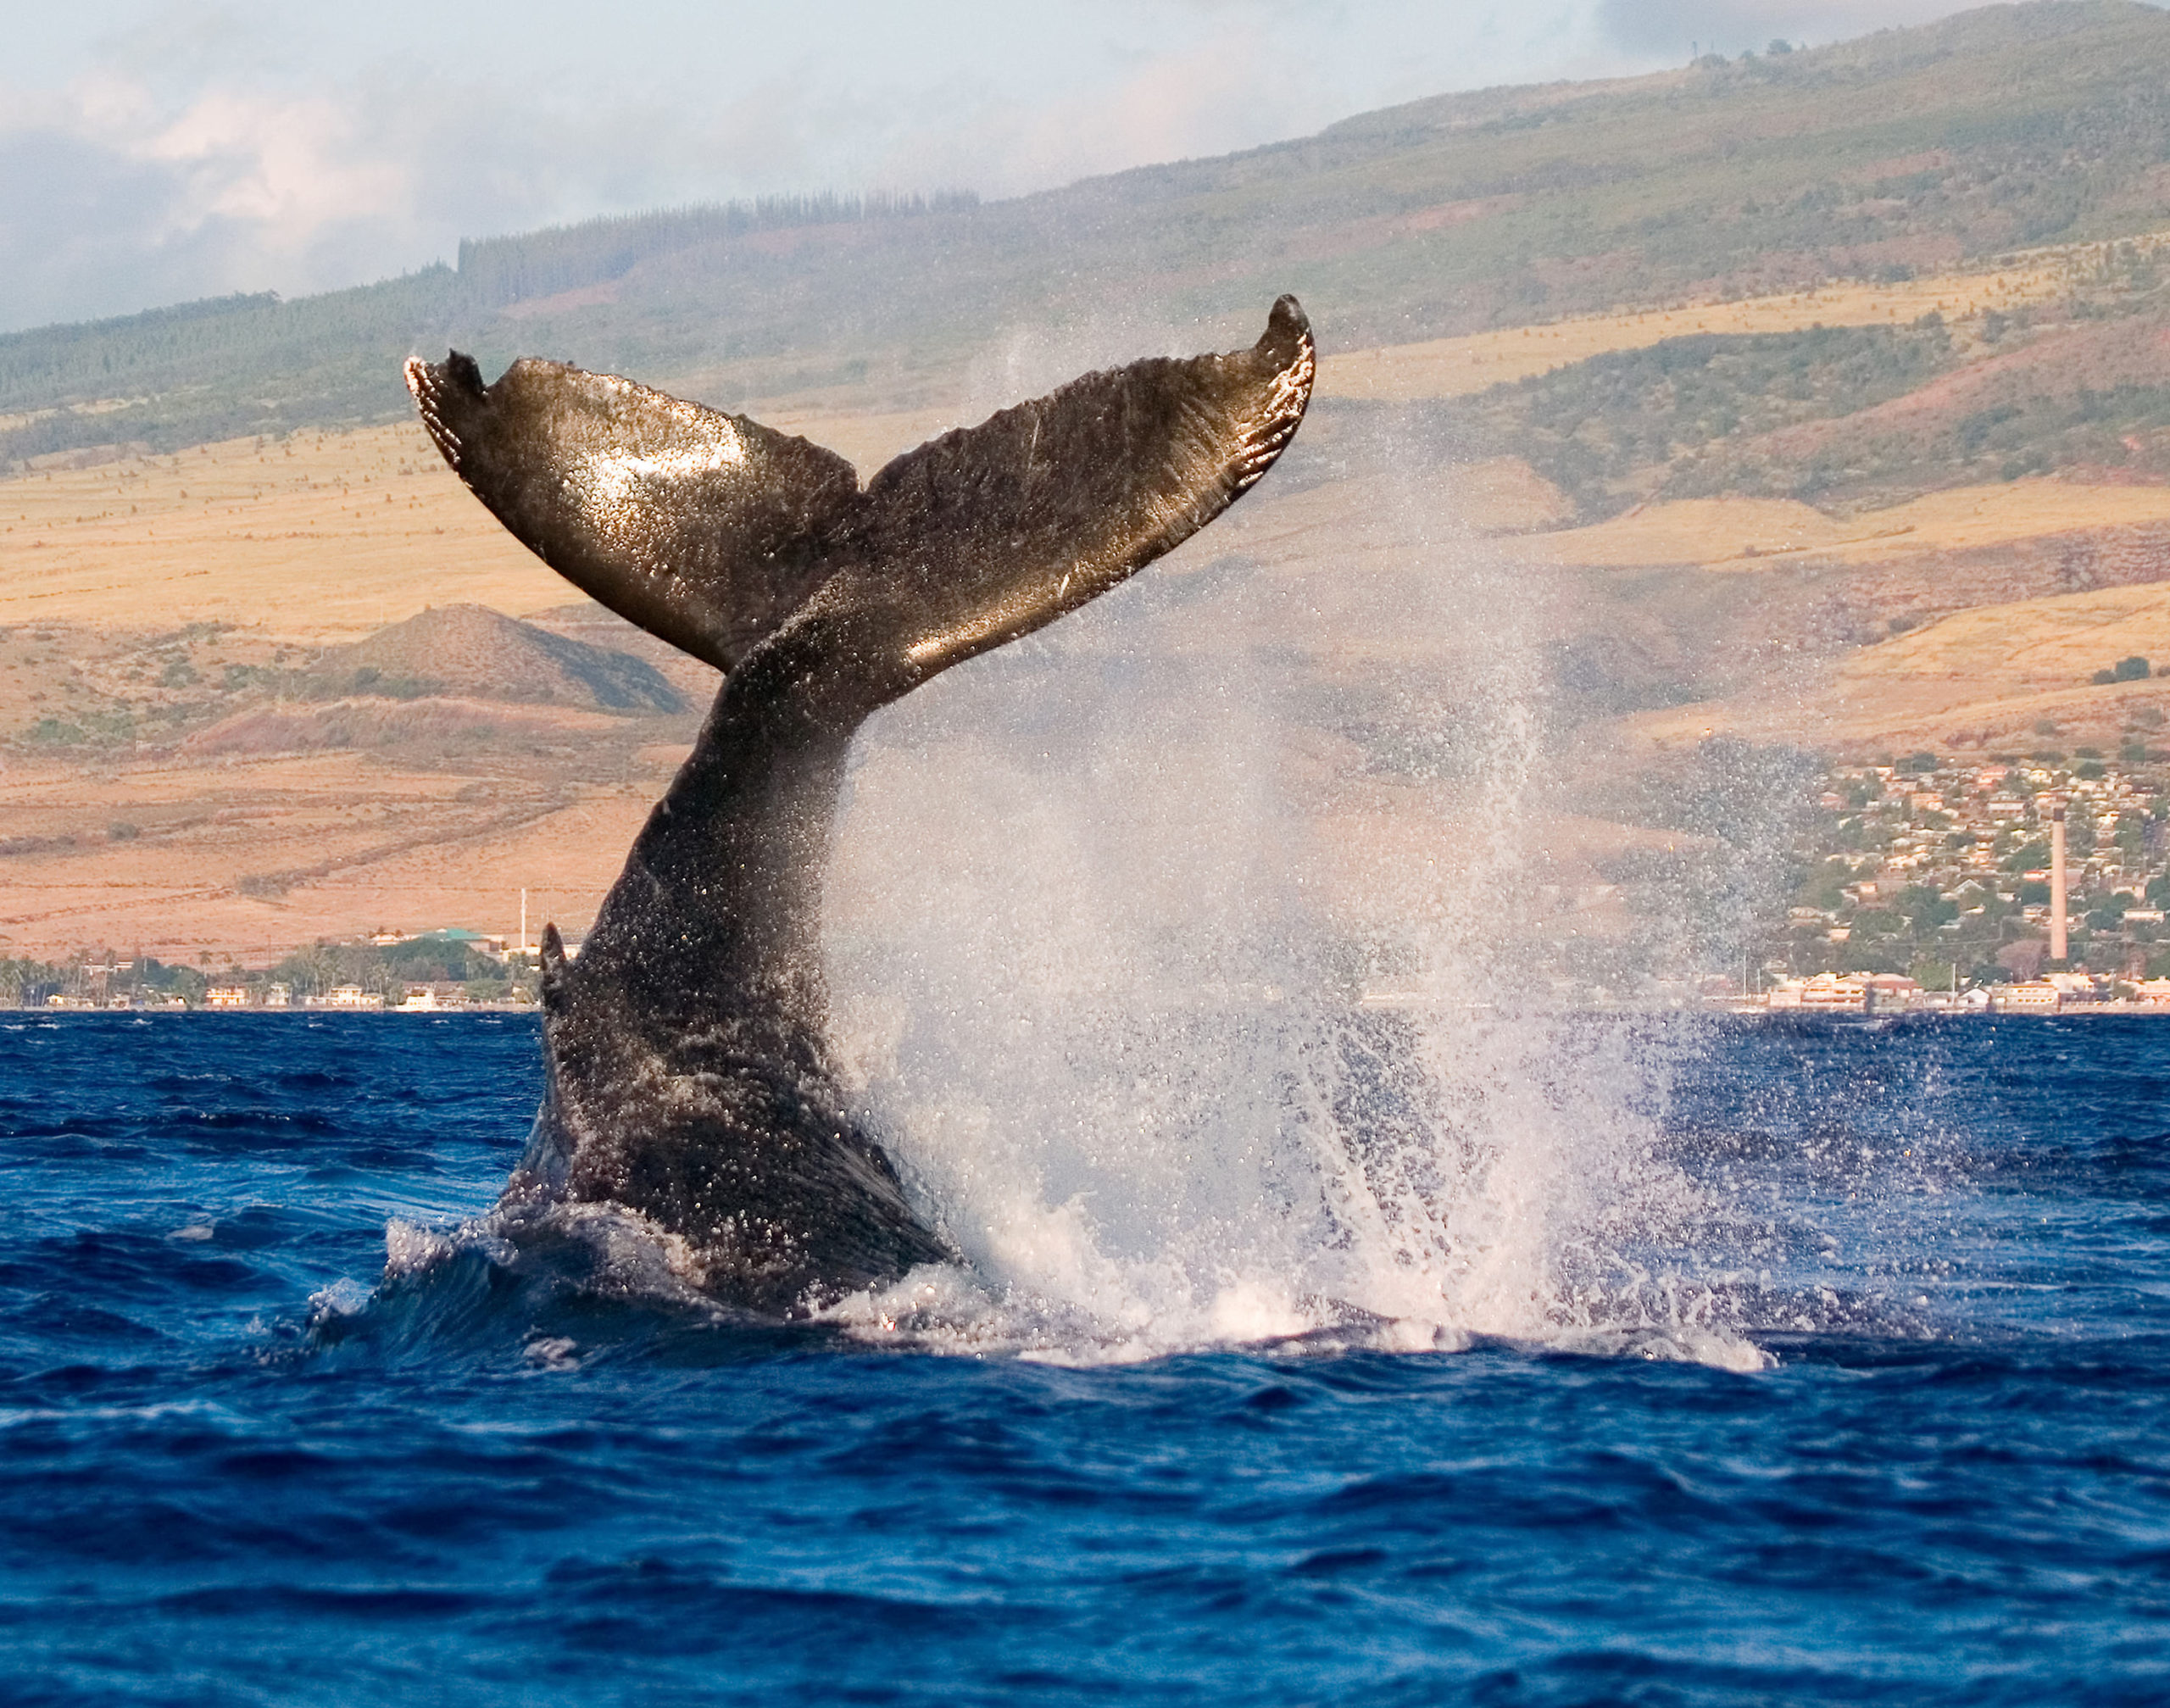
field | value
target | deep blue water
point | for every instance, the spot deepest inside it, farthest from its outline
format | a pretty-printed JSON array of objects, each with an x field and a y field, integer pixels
[{"x": 1953, "y": 1484}]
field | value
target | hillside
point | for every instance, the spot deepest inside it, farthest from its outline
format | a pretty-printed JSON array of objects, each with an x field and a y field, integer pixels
[
  {"x": 471, "y": 649},
  {"x": 1905, "y": 153},
  {"x": 1861, "y": 451}
]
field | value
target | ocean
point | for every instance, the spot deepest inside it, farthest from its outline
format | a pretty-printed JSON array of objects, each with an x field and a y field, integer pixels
[{"x": 1839, "y": 1373}]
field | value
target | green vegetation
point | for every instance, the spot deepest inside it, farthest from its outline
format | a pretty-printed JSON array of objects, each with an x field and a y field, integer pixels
[
  {"x": 1677, "y": 419},
  {"x": 2035, "y": 427},
  {"x": 26, "y": 981},
  {"x": 383, "y": 969},
  {"x": 386, "y": 969},
  {"x": 105, "y": 727},
  {"x": 500, "y": 270},
  {"x": 1883, "y": 888}
]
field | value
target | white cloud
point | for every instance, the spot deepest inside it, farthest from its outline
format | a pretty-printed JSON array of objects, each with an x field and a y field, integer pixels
[
  {"x": 1207, "y": 98},
  {"x": 111, "y": 199},
  {"x": 179, "y": 149},
  {"x": 1734, "y": 27}
]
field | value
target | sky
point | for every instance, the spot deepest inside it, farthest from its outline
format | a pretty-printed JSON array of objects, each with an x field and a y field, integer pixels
[{"x": 156, "y": 152}]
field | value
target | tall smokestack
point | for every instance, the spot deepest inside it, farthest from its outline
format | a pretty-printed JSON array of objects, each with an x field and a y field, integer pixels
[{"x": 2056, "y": 883}]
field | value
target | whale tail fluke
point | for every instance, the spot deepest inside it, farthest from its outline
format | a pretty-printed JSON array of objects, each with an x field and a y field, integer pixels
[{"x": 715, "y": 532}]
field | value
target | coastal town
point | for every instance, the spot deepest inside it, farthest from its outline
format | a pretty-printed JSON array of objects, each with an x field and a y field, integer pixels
[
  {"x": 2026, "y": 883},
  {"x": 2034, "y": 883},
  {"x": 448, "y": 969}
]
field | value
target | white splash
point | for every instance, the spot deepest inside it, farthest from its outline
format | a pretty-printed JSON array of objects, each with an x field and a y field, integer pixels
[{"x": 1091, "y": 965}]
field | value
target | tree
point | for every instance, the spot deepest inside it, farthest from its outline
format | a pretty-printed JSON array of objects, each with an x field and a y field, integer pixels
[
  {"x": 1824, "y": 888},
  {"x": 1926, "y": 907},
  {"x": 309, "y": 972}
]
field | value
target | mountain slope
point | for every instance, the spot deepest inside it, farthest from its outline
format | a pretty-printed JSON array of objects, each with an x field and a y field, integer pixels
[
  {"x": 473, "y": 650},
  {"x": 1907, "y": 150}
]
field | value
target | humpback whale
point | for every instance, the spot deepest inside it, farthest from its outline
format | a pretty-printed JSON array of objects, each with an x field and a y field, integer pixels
[{"x": 689, "y": 1076}]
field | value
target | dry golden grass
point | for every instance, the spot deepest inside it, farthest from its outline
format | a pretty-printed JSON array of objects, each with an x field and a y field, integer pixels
[
  {"x": 1852, "y": 717},
  {"x": 1755, "y": 533},
  {"x": 1505, "y": 495},
  {"x": 328, "y": 536},
  {"x": 347, "y": 844},
  {"x": 1453, "y": 367},
  {"x": 316, "y": 538},
  {"x": 1966, "y": 517},
  {"x": 2008, "y": 676},
  {"x": 2056, "y": 642},
  {"x": 1732, "y": 532}
]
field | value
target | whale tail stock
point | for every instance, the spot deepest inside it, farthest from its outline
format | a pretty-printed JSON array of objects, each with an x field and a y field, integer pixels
[{"x": 688, "y": 1076}]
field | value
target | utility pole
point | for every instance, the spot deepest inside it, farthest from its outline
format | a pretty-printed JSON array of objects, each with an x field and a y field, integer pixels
[{"x": 523, "y": 918}]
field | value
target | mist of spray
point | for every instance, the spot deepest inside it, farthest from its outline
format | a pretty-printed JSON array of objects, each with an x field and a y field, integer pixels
[{"x": 1104, "y": 917}]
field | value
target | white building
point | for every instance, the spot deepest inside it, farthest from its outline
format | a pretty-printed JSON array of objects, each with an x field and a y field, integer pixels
[{"x": 347, "y": 996}]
